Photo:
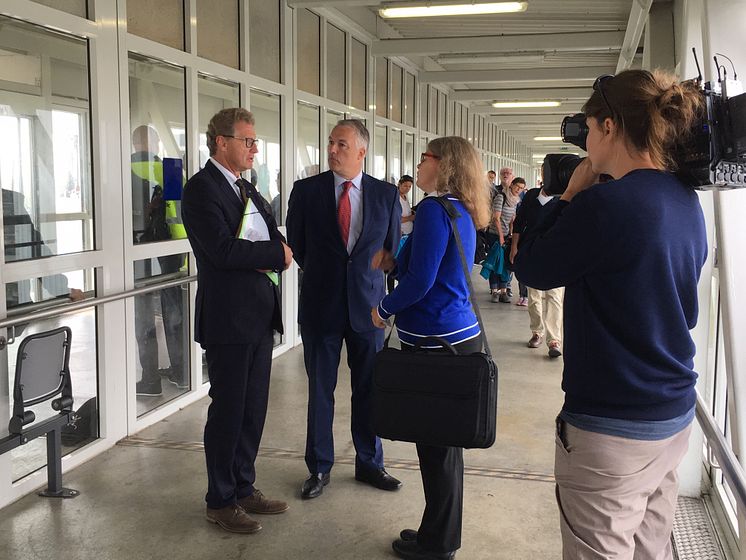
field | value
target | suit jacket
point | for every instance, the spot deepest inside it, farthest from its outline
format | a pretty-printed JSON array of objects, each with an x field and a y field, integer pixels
[
  {"x": 236, "y": 304},
  {"x": 338, "y": 287}
]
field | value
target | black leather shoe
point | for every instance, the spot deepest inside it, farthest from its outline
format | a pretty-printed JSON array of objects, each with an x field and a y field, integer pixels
[
  {"x": 408, "y": 535},
  {"x": 380, "y": 479},
  {"x": 412, "y": 551},
  {"x": 314, "y": 485}
]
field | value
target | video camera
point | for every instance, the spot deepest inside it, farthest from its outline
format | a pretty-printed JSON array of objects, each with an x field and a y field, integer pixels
[{"x": 712, "y": 156}]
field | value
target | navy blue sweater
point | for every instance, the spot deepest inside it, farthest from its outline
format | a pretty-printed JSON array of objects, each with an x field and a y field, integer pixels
[
  {"x": 432, "y": 297},
  {"x": 629, "y": 253}
]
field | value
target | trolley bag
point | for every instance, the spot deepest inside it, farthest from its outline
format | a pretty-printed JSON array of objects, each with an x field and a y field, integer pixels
[{"x": 437, "y": 398}]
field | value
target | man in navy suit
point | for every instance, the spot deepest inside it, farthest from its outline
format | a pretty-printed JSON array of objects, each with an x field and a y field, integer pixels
[
  {"x": 336, "y": 222},
  {"x": 237, "y": 312}
]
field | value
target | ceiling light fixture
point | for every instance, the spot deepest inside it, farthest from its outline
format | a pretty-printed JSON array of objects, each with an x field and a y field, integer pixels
[
  {"x": 524, "y": 104},
  {"x": 453, "y": 10},
  {"x": 548, "y": 138}
]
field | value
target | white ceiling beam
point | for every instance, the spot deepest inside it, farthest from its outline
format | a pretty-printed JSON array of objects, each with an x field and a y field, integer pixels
[
  {"x": 638, "y": 16},
  {"x": 590, "y": 41},
  {"x": 522, "y": 94},
  {"x": 587, "y": 74}
]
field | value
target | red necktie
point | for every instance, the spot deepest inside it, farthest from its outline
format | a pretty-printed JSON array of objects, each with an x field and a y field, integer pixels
[{"x": 344, "y": 212}]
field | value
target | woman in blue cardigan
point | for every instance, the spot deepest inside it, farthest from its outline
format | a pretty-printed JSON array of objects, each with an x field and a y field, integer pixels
[
  {"x": 432, "y": 299},
  {"x": 629, "y": 252}
]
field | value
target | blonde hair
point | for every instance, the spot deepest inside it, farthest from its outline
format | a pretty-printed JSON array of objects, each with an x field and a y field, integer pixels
[
  {"x": 460, "y": 173},
  {"x": 653, "y": 110}
]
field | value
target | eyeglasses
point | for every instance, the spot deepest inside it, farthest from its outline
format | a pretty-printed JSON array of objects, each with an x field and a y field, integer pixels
[
  {"x": 597, "y": 87},
  {"x": 250, "y": 142},
  {"x": 425, "y": 155}
]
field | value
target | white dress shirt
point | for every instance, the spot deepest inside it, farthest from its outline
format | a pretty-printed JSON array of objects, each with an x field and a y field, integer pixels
[
  {"x": 230, "y": 177},
  {"x": 406, "y": 210},
  {"x": 356, "y": 205}
]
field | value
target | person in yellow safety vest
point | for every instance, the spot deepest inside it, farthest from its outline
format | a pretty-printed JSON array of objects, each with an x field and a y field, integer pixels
[{"x": 155, "y": 219}]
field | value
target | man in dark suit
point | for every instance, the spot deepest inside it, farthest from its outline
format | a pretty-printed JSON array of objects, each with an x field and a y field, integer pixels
[
  {"x": 237, "y": 311},
  {"x": 336, "y": 222}
]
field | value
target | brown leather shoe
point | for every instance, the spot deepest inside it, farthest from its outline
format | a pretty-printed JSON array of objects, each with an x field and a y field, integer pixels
[
  {"x": 258, "y": 503},
  {"x": 234, "y": 519}
]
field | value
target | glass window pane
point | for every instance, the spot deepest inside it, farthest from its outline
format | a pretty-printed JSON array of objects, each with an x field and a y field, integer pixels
[
  {"x": 158, "y": 161},
  {"x": 161, "y": 332},
  {"x": 336, "y": 76},
  {"x": 379, "y": 158},
  {"x": 332, "y": 118},
  {"x": 74, "y": 7},
  {"x": 161, "y": 21},
  {"x": 45, "y": 166},
  {"x": 214, "y": 95},
  {"x": 441, "y": 113},
  {"x": 408, "y": 162},
  {"x": 424, "y": 105},
  {"x": 217, "y": 31},
  {"x": 382, "y": 76},
  {"x": 267, "y": 161},
  {"x": 359, "y": 74},
  {"x": 308, "y": 51},
  {"x": 307, "y": 157},
  {"x": 409, "y": 100},
  {"x": 395, "y": 156},
  {"x": 396, "y": 93},
  {"x": 265, "y": 38},
  {"x": 32, "y": 456},
  {"x": 432, "y": 114}
]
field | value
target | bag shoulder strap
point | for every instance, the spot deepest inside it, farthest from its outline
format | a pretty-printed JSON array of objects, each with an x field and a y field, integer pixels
[{"x": 453, "y": 213}]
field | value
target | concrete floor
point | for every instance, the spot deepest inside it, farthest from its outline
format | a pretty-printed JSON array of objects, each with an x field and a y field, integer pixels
[{"x": 144, "y": 499}]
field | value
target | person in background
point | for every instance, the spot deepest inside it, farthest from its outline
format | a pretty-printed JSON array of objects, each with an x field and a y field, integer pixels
[
  {"x": 504, "y": 208},
  {"x": 432, "y": 299},
  {"x": 407, "y": 217},
  {"x": 156, "y": 219},
  {"x": 544, "y": 306},
  {"x": 491, "y": 178},
  {"x": 629, "y": 378}
]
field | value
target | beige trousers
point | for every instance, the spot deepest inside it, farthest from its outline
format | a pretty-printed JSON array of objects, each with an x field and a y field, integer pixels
[
  {"x": 616, "y": 496},
  {"x": 545, "y": 312}
]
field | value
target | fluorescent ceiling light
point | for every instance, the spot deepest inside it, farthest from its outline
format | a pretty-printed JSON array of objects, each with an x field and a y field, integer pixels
[
  {"x": 505, "y": 59},
  {"x": 548, "y": 138},
  {"x": 524, "y": 104},
  {"x": 453, "y": 10}
]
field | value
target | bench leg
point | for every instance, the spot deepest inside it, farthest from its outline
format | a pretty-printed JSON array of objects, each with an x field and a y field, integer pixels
[{"x": 54, "y": 468}]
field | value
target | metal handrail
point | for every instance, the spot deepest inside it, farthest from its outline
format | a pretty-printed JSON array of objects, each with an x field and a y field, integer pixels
[
  {"x": 727, "y": 460},
  {"x": 93, "y": 302}
]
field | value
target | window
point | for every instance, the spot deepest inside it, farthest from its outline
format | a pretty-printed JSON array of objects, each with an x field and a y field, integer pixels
[
  {"x": 308, "y": 49},
  {"x": 359, "y": 76},
  {"x": 307, "y": 141},
  {"x": 214, "y": 95},
  {"x": 396, "y": 93},
  {"x": 45, "y": 165},
  {"x": 161, "y": 21},
  {"x": 382, "y": 87},
  {"x": 158, "y": 144},
  {"x": 409, "y": 97},
  {"x": 265, "y": 35},
  {"x": 379, "y": 158},
  {"x": 335, "y": 64},
  {"x": 217, "y": 31},
  {"x": 268, "y": 160}
]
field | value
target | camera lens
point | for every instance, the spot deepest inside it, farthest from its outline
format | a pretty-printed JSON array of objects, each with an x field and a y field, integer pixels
[{"x": 557, "y": 170}]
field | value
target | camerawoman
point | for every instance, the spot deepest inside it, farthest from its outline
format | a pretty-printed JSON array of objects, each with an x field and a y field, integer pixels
[{"x": 629, "y": 252}]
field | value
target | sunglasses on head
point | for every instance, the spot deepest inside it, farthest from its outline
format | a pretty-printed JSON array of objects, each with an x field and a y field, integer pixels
[{"x": 598, "y": 86}]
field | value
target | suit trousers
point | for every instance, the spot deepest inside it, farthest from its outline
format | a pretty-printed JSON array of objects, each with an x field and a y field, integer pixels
[
  {"x": 321, "y": 353},
  {"x": 616, "y": 496},
  {"x": 545, "y": 312},
  {"x": 239, "y": 389},
  {"x": 442, "y": 471}
]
